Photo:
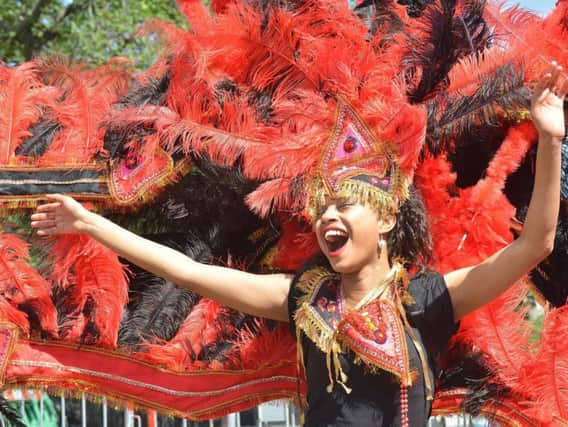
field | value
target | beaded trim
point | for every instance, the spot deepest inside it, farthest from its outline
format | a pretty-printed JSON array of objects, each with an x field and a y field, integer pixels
[{"x": 318, "y": 316}]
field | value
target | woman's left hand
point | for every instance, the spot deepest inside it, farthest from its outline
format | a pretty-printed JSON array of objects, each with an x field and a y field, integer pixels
[{"x": 547, "y": 104}]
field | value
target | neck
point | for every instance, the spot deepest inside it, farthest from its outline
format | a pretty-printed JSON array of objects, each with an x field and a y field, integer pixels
[{"x": 358, "y": 284}]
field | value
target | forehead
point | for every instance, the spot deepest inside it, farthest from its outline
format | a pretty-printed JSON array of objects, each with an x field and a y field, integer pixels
[{"x": 336, "y": 199}]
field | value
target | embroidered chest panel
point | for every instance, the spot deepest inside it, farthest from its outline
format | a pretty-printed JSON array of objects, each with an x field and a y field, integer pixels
[{"x": 374, "y": 333}]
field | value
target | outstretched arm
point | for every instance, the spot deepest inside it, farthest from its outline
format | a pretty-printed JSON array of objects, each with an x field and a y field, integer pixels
[
  {"x": 473, "y": 287},
  {"x": 259, "y": 295}
]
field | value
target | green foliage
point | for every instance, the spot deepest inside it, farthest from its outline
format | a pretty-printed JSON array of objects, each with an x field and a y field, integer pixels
[{"x": 84, "y": 30}]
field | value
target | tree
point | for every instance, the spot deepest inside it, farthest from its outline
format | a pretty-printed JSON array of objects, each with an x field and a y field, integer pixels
[{"x": 83, "y": 30}]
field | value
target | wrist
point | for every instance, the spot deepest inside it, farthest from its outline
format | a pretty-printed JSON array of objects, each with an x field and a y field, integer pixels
[
  {"x": 90, "y": 223},
  {"x": 547, "y": 138}
]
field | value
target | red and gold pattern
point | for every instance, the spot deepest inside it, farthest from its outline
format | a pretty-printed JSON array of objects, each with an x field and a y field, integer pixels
[
  {"x": 375, "y": 333},
  {"x": 355, "y": 164}
]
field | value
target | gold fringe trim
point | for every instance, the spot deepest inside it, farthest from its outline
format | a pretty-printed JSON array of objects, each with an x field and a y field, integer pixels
[
  {"x": 383, "y": 202},
  {"x": 328, "y": 341}
]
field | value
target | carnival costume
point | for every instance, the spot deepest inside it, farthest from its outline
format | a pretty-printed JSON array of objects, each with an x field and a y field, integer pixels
[{"x": 225, "y": 148}]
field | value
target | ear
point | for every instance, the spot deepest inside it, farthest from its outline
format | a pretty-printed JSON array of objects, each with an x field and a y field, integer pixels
[{"x": 386, "y": 223}]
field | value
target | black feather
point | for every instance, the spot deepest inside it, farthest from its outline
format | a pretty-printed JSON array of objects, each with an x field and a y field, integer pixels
[
  {"x": 157, "y": 307},
  {"x": 156, "y": 312},
  {"x": 451, "y": 37},
  {"x": 151, "y": 92},
  {"x": 551, "y": 276},
  {"x": 42, "y": 135},
  {"x": 498, "y": 100},
  {"x": 10, "y": 415},
  {"x": 467, "y": 369}
]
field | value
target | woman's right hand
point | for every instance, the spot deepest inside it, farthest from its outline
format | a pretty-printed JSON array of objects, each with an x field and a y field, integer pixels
[{"x": 61, "y": 215}]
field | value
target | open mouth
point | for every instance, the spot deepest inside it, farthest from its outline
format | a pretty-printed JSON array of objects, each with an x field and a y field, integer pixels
[{"x": 335, "y": 240}]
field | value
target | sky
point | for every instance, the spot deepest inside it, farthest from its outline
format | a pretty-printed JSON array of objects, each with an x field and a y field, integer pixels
[{"x": 541, "y": 6}]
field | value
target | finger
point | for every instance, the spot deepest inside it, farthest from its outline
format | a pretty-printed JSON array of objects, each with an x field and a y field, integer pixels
[
  {"x": 564, "y": 90},
  {"x": 56, "y": 197},
  {"x": 555, "y": 81},
  {"x": 41, "y": 217},
  {"x": 44, "y": 224},
  {"x": 48, "y": 207},
  {"x": 542, "y": 84},
  {"x": 46, "y": 232}
]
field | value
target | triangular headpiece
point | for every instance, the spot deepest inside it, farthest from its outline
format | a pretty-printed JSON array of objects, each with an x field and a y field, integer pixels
[{"x": 356, "y": 165}]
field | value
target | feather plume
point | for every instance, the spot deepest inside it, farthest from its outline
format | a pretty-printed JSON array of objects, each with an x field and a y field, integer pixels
[
  {"x": 446, "y": 33},
  {"x": 93, "y": 290},
  {"x": 23, "y": 287},
  {"x": 537, "y": 45},
  {"x": 195, "y": 13},
  {"x": 471, "y": 370},
  {"x": 156, "y": 313},
  {"x": 185, "y": 350},
  {"x": 546, "y": 375},
  {"x": 9, "y": 414},
  {"x": 500, "y": 97},
  {"x": 87, "y": 98},
  {"x": 501, "y": 332},
  {"x": 14, "y": 316},
  {"x": 21, "y": 97},
  {"x": 41, "y": 136},
  {"x": 263, "y": 345}
]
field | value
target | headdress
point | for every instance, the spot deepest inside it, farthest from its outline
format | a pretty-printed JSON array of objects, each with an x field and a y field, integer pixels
[{"x": 356, "y": 165}]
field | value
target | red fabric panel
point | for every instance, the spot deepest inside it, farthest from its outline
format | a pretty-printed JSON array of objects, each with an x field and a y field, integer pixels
[{"x": 195, "y": 395}]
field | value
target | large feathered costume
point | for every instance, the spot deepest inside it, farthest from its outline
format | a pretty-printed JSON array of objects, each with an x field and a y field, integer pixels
[{"x": 210, "y": 151}]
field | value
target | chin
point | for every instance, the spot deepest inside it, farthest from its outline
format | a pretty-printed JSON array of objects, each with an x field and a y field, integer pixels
[{"x": 342, "y": 266}]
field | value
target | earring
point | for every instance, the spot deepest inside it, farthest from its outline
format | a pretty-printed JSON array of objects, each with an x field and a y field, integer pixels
[{"x": 381, "y": 244}]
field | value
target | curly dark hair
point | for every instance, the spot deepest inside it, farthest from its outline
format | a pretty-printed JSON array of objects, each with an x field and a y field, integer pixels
[{"x": 410, "y": 239}]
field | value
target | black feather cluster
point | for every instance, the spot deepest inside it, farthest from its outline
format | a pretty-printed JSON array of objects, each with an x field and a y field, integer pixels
[
  {"x": 451, "y": 37},
  {"x": 9, "y": 414},
  {"x": 152, "y": 92},
  {"x": 118, "y": 135},
  {"x": 496, "y": 102},
  {"x": 415, "y": 8},
  {"x": 551, "y": 276},
  {"x": 42, "y": 134},
  {"x": 467, "y": 369}
]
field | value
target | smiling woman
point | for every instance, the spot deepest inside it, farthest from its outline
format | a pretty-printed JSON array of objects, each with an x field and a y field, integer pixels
[
  {"x": 311, "y": 106},
  {"x": 357, "y": 298}
]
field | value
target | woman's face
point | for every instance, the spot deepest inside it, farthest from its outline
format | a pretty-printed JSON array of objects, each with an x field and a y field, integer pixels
[{"x": 348, "y": 233}]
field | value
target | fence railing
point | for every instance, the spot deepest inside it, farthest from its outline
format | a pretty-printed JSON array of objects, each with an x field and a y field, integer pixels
[{"x": 41, "y": 410}]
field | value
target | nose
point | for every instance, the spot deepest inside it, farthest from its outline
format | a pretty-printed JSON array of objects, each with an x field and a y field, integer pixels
[{"x": 330, "y": 213}]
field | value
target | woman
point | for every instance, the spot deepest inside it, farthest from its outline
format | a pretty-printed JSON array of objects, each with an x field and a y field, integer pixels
[{"x": 367, "y": 341}]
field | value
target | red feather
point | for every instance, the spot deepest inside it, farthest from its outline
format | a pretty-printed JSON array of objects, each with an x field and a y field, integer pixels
[
  {"x": 536, "y": 45},
  {"x": 22, "y": 286},
  {"x": 546, "y": 375},
  {"x": 265, "y": 347},
  {"x": 502, "y": 334},
  {"x": 97, "y": 289},
  {"x": 21, "y": 98},
  {"x": 200, "y": 328},
  {"x": 195, "y": 12},
  {"x": 13, "y": 315},
  {"x": 88, "y": 97},
  {"x": 219, "y": 6}
]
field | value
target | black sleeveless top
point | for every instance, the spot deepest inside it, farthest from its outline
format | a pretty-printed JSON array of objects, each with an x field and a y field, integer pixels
[{"x": 375, "y": 397}]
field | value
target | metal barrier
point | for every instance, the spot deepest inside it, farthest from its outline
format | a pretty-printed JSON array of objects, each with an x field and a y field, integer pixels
[{"x": 40, "y": 410}]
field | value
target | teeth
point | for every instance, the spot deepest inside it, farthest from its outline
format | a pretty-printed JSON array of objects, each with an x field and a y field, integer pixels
[{"x": 330, "y": 234}]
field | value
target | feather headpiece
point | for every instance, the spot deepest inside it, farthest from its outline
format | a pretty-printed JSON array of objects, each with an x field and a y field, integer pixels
[{"x": 358, "y": 166}]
